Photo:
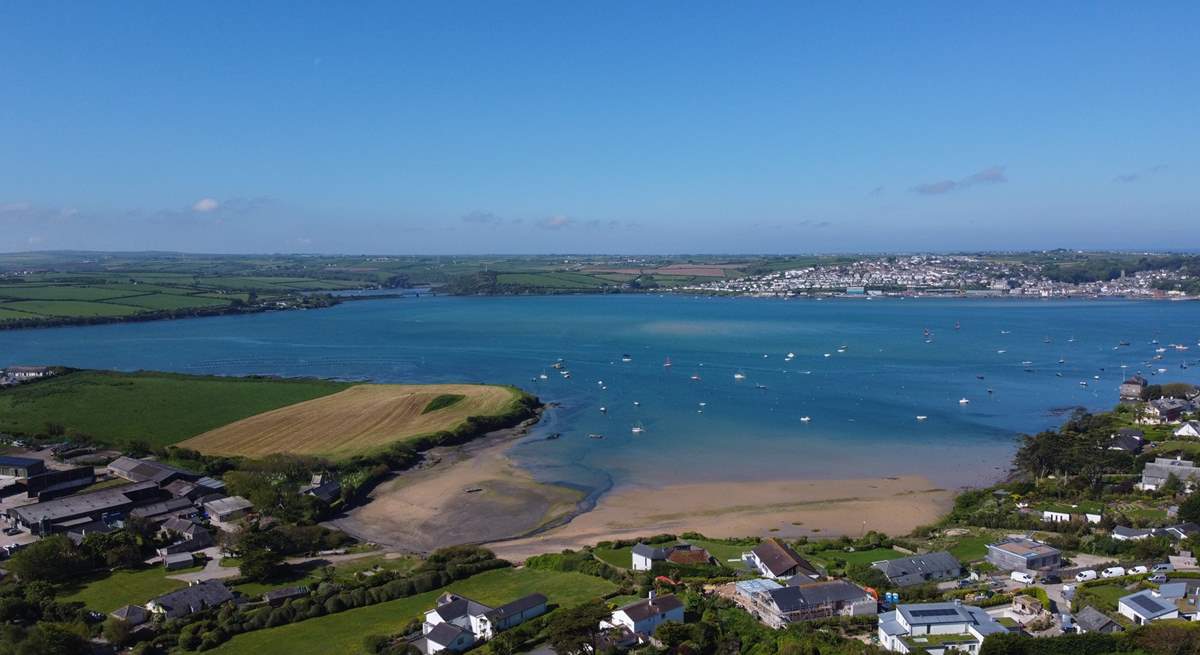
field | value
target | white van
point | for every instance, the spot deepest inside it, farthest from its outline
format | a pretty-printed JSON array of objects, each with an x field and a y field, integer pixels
[
  {"x": 1022, "y": 577},
  {"x": 1113, "y": 572},
  {"x": 1084, "y": 576},
  {"x": 1138, "y": 570}
]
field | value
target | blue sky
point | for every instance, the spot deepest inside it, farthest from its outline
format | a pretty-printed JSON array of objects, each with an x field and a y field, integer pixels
[{"x": 618, "y": 127}]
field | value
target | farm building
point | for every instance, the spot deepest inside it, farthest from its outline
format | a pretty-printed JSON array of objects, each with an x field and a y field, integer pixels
[
  {"x": 20, "y": 467},
  {"x": 228, "y": 509}
]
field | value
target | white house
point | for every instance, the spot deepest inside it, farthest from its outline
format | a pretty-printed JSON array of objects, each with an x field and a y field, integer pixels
[
  {"x": 1064, "y": 514},
  {"x": 936, "y": 628},
  {"x": 643, "y": 616},
  {"x": 645, "y": 556},
  {"x": 447, "y": 637},
  {"x": 1152, "y": 604},
  {"x": 1191, "y": 430},
  {"x": 457, "y": 622}
]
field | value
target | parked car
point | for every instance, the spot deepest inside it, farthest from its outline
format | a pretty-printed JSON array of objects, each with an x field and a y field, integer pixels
[
  {"x": 1067, "y": 622},
  {"x": 1165, "y": 567},
  {"x": 1022, "y": 577},
  {"x": 1084, "y": 576},
  {"x": 1113, "y": 572},
  {"x": 1138, "y": 570},
  {"x": 1050, "y": 578},
  {"x": 13, "y": 531},
  {"x": 1158, "y": 578}
]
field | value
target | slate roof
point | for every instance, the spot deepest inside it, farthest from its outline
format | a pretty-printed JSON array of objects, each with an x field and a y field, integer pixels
[
  {"x": 649, "y": 552},
  {"x": 516, "y": 607},
  {"x": 96, "y": 502},
  {"x": 285, "y": 593},
  {"x": 228, "y": 505},
  {"x": 456, "y": 607},
  {"x": 779, "y": 558},
  {"x": 19, "y": 462},
  {"x": 647, "y": 607},
  {"x": 794, "y": 599},
  {"x": 194, "y": 598},
  {"x": 141, "y": 470},
  {"x": 131, "y": 614},
  {"x": 1131, "y": 533},
  {"x": 1093, "y": 620},
  {"x": 444, "y": 634},
  {"x": 908, "y": 571}
]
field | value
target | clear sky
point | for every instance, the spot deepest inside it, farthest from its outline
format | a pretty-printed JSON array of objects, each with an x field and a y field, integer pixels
[{"x": 625, "y": 127}]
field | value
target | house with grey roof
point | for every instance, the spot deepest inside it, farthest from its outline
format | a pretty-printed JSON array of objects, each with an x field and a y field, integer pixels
[
  {"x": 1090, "y": 619},
  {"x": 1128, "y": 440},
  {"x": 1189, "y": 430},
  {"x": 480, "y": 621},
  {"x": 644, "y": 556},
  {"x": 134, "y": 615},
  {"x": 811, "y": 601},
  {"x": 229, "y": 508},
  {"x": 919, "y": 569},
  {"x": 936, "y": 628},
  {"x": 1122, "y": 533},
  {"x": 643, "y": 616},
  {"x": 445, "y": 637},
  {"x": 509, "y": 615},
  {"x": 143, "y": 470},
  {"x": 191, "y": 599},
  {"x": 1161, "y": 411},
  {"x": 1023, "y": 554},
  {"x": 1152, "y": 604},
  {"x": 775, "y": 559},
  {"x": 1155, "y": 473}
]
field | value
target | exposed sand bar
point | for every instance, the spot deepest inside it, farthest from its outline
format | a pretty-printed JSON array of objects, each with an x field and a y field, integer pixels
[
  {"x": 788, "y": 508},
  {"x": 475, "y": 494}
]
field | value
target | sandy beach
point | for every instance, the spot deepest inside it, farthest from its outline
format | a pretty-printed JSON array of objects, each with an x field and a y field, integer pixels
[{"x": 474, "y": 494}]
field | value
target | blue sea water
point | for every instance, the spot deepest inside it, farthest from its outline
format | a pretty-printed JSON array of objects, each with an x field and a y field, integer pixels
[{"x": 862, "y": 399}]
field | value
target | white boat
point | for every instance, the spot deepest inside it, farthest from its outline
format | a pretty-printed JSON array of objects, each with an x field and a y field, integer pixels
[
  {"x": 667, "y": 364},
  {"x": 703, "y": 404},
  {"x": 1083, "y": 383},
  {"x": 600, "y": 382},
  {"x": 805, "y": 419},
  {"x": 841, "y": 350},
  {"x": 637, "y": 429},
  {"x": 1001, "y": 352},
  {"x": 739, "y": 376},
  {"x": 696, "y": 377},
  {"x": 828, "y": 355},
  {"x": 626, "y": 358},
  {"x": 921, "y": 418},
  {"x": 637, "y": 403},
  {"x": 791, "y": 355},
  {"x": 603, "y": 409},
  {"x": 963, "y": 401},
  {"x": 543, "y": 376}
]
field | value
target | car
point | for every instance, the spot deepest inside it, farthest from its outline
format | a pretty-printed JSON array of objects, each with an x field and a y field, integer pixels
[
  {"x": 1138, "y": 570},
  {"x": 1165, "y": 567},
  {"x": 1113, "y": 572},
  {"x": 1022, "y": 577},
  {"x": 13, "y": 531},
  {"x": 1084, "y": 576},
  {"x": 1158, "y": 578},
  {"x": 1051, "y": 579}
]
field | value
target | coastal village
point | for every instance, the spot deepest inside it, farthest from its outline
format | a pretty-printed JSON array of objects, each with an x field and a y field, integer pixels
[{"x": 1095, "y": 533}]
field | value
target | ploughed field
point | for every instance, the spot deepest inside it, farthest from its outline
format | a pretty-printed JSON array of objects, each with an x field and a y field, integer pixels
[{"x": 358, "y": 420}]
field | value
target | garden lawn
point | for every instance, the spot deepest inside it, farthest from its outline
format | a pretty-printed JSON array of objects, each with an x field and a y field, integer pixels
[
  {"x": 859, "y": 556},
  {"x": 971, "y": 548},
  {"x": 107, "y": 593},
  {"x": 1103, "y": 597},
  {"x": 159, "y": 408},
  {"x": 344, "y": 632}
]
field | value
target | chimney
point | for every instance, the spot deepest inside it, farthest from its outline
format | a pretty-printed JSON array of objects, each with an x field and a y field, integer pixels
[{"x": 650, "y": 596}]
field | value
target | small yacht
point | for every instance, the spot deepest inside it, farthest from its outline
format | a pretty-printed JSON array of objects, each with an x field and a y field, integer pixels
[
  {"x": 603, "y": 409},
  {"x": 963, "y": 401},
  {"x": 667, "y": 364},
  {"x": 696, "y": 377},
  {"x": 595, "y": 435},
  {"x": 637, "y": 403},
  {"x": 637, "y": 429},
  {"x": 626, "y": 358},
  {"x": 739, "y": 376},
  {"x": 760, "y": 386},
  {"x": 791, "y": 355},
  {"x": 543, "y": 376},
  {"x": 805, "y": 419},
  {"x": 703, "y": 404},
  {"x": 1001, "y": 352},
  {"x": 828, "y": 354},
  {"x": 1083, "y": 383},
  {"x": 921, "y": 418}
]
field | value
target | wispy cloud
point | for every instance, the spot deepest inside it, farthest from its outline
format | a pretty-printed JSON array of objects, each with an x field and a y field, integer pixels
[
  {"x": 555, "y": 223},
  {"x": 990, "y": 175},
  {"x": 206, "y": 205},
  {"x": 1129, "y": 178},
  {"x": 482, "y": 218}
]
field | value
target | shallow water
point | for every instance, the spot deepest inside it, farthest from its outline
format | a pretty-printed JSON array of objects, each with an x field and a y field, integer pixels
[{"x": 862, "y": 401}]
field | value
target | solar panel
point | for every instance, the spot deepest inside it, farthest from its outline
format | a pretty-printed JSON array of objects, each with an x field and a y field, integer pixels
[
  {"x": 929, "y": 613},
  {"x": 1148, "y": 604}
]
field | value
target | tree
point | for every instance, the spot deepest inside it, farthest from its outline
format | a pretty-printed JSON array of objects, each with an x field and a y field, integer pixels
[
  {"x": 116, "y": 631},
  {"x": 261, "y": 553},
  {"x": 53, "y": 559},
  {"x": 572, "y": 631},
  {"x": 1189, "y": 509},
  {"x": 53, "y": 639},
  {"x": 1171, "y": 485}
]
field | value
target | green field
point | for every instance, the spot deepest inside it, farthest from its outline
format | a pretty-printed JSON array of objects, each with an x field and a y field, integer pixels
[
  {"x": 623, "y": 557},
  {"x": 170, "y": 302},
  {"x": 1102, "y": 597},
  {"x": 312, "y": 575},
  {"x": 30, "y": 292},
  {"x": 159, "y": 408},
  {"x": 971, "y": 548},
  {"x": 343, "y": 632},
  {"x": 69, "y": 308},
  {"x": 859, "y": 556},
  {"x": 121, "y": 588}
]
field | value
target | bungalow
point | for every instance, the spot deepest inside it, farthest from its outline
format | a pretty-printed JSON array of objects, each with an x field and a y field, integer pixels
[
  {"x": 1067, "y": 513},
  {"x": 1155, "y": 473},
  {"x": 195, "y": 598},
  {"x": 919, "y": 569},
  {"x": 1189, "y": 430},
  {"x": 1129, "y": 440},
  {"x": 228, "y": 509},
  {"x": 1152, "y": 604},
  {"x": 1023, "y": 554},
  {"x": 936, "y": 628},
  {"x": 1131, "y": 389},
  {"x": 811, "y": 601},
  {"x": 1122, "y": 533},
  {"x": 644, "y": 556},
  {"x": 643, "y": 616},
  {"x": 1090, "y": 619},
  {"x": 134, "y": 615},
  {"x": 775, "y": 559},
  {"x": 176, "y": 561},
  {"x": 323, "y": 487}
]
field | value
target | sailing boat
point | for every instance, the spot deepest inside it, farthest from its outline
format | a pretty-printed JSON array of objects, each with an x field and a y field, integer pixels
[
  {"x": 739, "y": 376},
  {"x": 637, "y": 429},
  {"x": 667, "y": 364},
  {"x": 696, "y": 377}
]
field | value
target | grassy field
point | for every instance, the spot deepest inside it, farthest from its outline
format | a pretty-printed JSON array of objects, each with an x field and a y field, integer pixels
[
  {"x": 1102, "y": 597},
  {"x": 971, "y": 548},
  {"x": 722, "y": 551},
  {"x": 858, "y": 556},
  {"x": 358, "y": 420},
  {"x": 107, "y": 593},
  {"x": 311, "y": 576},
  {"x": 159, "y": 408},
  {"x": 343, "y": 633}
]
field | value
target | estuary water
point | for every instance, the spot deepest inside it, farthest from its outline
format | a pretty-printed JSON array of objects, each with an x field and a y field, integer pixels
[{"x": 862, "y": 372}]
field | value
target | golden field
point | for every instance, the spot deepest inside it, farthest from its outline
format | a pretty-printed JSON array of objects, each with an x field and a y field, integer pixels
[{"x": 358, "y": 420}]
